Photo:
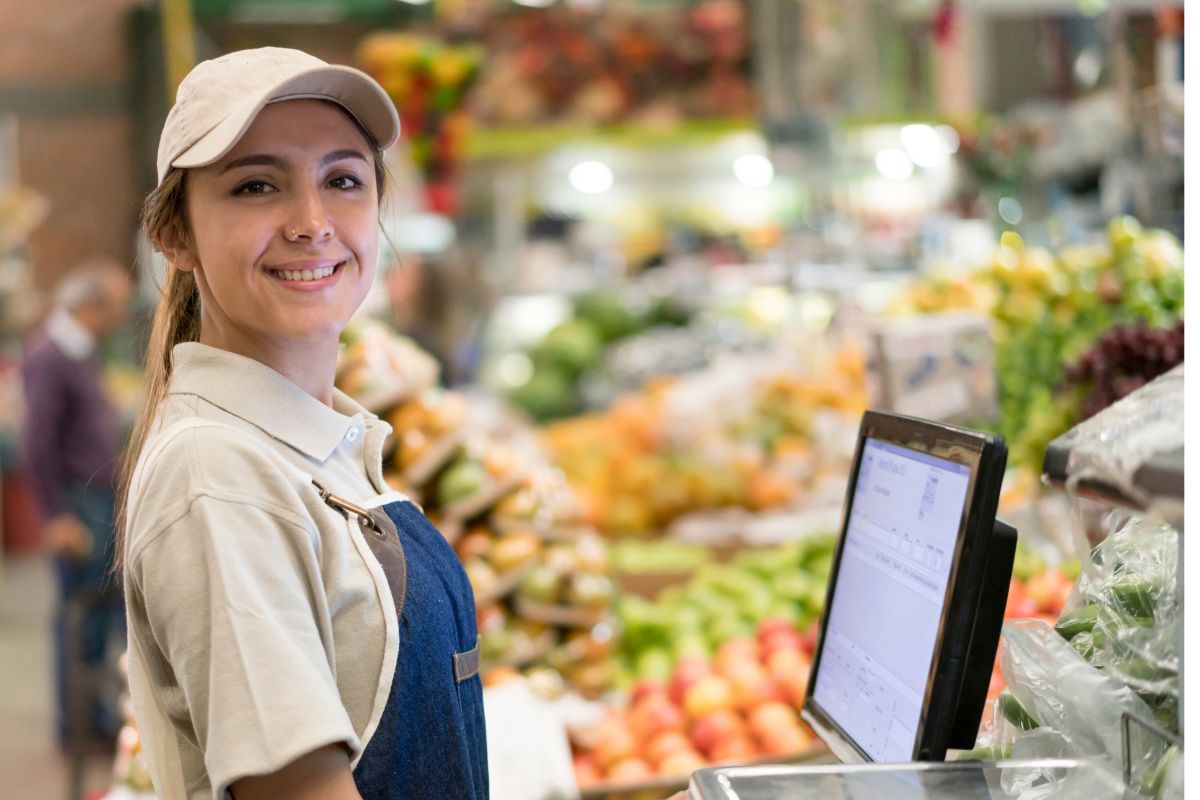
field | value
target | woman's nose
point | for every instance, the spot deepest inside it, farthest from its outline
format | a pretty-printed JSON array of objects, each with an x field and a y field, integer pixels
[{"x": 309, "y": 219}]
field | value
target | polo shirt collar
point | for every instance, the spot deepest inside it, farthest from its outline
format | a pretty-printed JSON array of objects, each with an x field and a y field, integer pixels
[
  {"x": 75, "y": 341},
  {"x": 266, "y": 399}
]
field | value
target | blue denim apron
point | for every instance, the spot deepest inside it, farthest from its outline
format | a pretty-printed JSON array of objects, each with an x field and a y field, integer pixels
[{"x": 430, "y": 742}]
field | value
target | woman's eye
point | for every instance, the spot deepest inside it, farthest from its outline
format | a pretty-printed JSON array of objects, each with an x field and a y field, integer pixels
[
  {"x": 254, "y": 187},
  {"x": 345, "y": 182}
]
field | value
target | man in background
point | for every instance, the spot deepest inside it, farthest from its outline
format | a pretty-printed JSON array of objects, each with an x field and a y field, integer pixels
[{"x": 70, "y": 451}]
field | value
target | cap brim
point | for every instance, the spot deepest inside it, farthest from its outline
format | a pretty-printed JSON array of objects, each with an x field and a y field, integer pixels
[{"x": 353, "y": 90}]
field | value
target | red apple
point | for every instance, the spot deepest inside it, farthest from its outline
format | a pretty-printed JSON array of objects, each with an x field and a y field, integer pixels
[
  {"x": 687, "y": 672},
  {"x": 772, "y": 717},
  {"x": 587, "y": 772},
  {"x": 681, "y": 762},
  {"x": 1019, "y": 606},
  {"x": 646, "y": 686},
  {"x": 782, "y": 639},
  {"x": 715, "y": 727},
  {"x": 665, "y": 745},
  {"x": 769, "y": 626},
  {"x": 785, "y": 741},
  {"x": 734, "y": 749},
  {"x": 653, "y": 714},
  {"x": 629, "y": 770},
  {"x": 795, "y": 686},
  {"x": 614, "y": 743},
  {"x": 752, "y": 686},
  {"x": 711, "y": 693},
  {"x": 735, "y": 651},
  {"x": 783, "y": 663},
  {"x": 1044, "y": 589}
]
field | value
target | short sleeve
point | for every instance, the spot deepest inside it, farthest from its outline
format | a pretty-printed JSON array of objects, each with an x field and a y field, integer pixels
[{"x": 233, "y": 598}]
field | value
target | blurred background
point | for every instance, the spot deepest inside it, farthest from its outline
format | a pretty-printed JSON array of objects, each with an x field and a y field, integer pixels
[{"x": 646, "y": 262}]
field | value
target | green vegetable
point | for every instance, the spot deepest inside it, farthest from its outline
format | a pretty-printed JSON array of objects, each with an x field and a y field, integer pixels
[
  {"x": 1012, "y": 710},
  {"x": 1084, "y": 644},
  {"x": 1140, "y": 669},
  {"x": 1136, "y": 597},
  {"x": 460, "y": 481},
  {"x": 1081, "y": 620}
]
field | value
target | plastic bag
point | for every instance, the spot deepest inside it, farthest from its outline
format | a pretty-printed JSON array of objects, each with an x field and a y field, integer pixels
[
  {"x": 1061, "y": 691},
  {"x": 1114, "y": 650},
  {"x": 1125, "y": 614}
]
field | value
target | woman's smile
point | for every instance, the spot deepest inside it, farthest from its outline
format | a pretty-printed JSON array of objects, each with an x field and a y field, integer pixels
[{"x": 308, "y": 275}]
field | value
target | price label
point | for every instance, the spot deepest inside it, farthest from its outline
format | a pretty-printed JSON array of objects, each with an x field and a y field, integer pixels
[{"x": 939, "y": 367}]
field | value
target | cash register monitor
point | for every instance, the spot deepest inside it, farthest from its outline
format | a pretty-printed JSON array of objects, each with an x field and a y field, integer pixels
[{"x": 916, "y": 595}]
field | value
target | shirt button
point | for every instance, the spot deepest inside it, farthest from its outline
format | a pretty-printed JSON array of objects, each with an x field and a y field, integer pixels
[{"x": 352, "y": 435}]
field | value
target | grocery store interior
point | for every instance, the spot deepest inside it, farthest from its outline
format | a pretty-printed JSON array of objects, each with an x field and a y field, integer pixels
[{"x": 662, "y": 287}]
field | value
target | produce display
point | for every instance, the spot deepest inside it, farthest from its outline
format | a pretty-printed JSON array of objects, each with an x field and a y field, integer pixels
[
  {"x": 1048, "y": 308},
  {"x": 716, "y": 439},
  {"x": 428, "y": 80},
  {"x": 543, "y": 593},
  {"x": 741, "y": 705},
  {"x": 719, "y": 603},
  {"x": 1123, "y": 360},
  {"x": 571, "y": 66},
  {"x": 576, "y": 346}
]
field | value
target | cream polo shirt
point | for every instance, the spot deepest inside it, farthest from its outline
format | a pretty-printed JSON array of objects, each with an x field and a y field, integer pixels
[{"x": 260, "y": 625}]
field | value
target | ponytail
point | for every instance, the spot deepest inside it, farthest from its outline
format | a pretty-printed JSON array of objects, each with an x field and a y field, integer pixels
[{"x": 176, "y": 320}]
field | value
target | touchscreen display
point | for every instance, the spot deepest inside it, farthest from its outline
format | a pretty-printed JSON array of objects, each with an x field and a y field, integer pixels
[{"x": 883, "y": 619}]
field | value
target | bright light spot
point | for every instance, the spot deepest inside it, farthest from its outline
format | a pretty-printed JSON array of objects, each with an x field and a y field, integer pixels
[
  {"x": 1010, "y": 210},
  {"x": 894, "y": 164},
  {"x": 816, "y": 312},
  {"x": 949, "y": 138},
  {"x": 754, "y": 170},
  {"x": 591, "y": 177},
  {"x": 534, "y": 3},
  {"x": 415, "y": 2},
  {"x": 1087, "y": 67},
  {"x": 514, "y": 369},
  {"x": 769, "y": 304},
  {"x": 923, "y": 145}
]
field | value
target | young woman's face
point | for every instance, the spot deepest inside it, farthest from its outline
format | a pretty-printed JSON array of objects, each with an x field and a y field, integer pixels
[{"x": 284, "y": 229}]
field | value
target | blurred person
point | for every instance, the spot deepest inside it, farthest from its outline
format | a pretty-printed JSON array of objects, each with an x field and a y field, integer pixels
[
  {"x": 296, "y": 628},
  {"x": 70, "y": 450}
]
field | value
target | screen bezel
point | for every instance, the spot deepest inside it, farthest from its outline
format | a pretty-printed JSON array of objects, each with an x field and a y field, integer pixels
[{"x": 985, "y": 455}]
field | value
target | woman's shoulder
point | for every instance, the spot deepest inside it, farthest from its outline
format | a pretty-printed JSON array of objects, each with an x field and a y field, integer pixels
[{"x": 187, "y": 456}]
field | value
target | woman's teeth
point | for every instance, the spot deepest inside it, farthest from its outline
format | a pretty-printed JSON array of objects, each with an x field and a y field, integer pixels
[{"x": 304, "y": 274}]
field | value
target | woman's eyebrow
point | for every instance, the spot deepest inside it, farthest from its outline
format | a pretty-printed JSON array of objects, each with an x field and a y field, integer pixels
[
  {"x": 258, "y": 160},
  {"x": 338, "y": 155},
  {"x": 265, "y": 160}
]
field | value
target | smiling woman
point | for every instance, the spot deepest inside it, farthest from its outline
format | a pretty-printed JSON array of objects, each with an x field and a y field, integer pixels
[
  {"x": 280, "y": 644},
  {"x": 285, "y": 231}
]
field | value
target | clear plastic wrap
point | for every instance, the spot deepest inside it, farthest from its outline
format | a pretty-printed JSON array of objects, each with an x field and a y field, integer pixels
[
  {"x": 1113, "y": 446},
  {"x": 1114, "y": 651},
  {"x": 1063, "y": 693}
]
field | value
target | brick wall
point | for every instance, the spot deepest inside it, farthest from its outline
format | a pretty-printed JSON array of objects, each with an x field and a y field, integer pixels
[{"x": 65, "y": 71}]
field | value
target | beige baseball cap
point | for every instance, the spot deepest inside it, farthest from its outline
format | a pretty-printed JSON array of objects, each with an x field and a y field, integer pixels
[{"x": 219, "y": 99}]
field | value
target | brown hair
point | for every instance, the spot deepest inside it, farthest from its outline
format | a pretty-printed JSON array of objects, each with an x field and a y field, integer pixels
[{"x": 176, "y": 316}]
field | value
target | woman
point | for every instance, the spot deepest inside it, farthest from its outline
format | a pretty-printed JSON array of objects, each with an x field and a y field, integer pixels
[{"x": 296, "y": 629}]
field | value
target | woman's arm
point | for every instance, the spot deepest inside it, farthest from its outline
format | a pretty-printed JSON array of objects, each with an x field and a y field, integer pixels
[{"x": 323, "y": 774}]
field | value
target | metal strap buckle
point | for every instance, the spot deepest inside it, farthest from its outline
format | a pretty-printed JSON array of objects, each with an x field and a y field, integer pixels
[{"x": 365, "y": 520}]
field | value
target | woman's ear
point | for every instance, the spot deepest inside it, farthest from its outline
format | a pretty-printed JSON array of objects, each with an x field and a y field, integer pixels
[{"x": 176, "y": 247}]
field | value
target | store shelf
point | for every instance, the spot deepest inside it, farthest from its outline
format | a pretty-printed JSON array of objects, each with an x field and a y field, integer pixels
[
  {"x": 528, "y": 142},
  {"x": 1130, "y": 454}
]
